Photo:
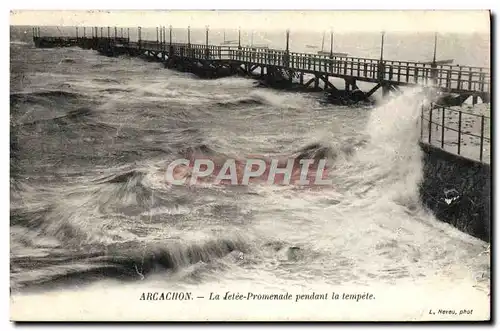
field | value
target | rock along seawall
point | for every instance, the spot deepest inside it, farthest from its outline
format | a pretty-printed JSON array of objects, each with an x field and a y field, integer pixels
[{"x": 457, "y": 190}]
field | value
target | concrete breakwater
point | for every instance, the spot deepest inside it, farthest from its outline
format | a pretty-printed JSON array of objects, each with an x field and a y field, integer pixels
[{"x": 457, "y": 190}]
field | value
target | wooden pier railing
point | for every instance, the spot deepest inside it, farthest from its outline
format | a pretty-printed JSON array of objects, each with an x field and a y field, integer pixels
[{"x": 449, "y": 78}]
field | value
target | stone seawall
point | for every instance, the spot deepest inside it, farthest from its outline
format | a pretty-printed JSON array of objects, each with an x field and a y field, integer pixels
[{"x": 457, "y": 190}]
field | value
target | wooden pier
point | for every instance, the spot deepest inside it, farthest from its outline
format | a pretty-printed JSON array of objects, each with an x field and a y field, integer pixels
[{"x": 286, "y": 69}]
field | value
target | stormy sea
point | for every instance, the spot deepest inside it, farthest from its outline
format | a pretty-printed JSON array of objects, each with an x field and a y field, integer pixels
[{"x": 93, "y": 220}]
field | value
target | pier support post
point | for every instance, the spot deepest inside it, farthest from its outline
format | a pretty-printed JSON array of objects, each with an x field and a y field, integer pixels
[
  {"x": 354, "y": 84},
  {"x": 162, "y": 48},
  {"x": 139, "y": 37},
  {"x": 286, "y": 60},
  {"x": 36, "y": 35},
  {"x": 239, "y": 38},
  {"x": 382, "y": 47},
  {"x": 164, "y": 43},
  {"x": 329, "y": 86},
  {"x": 287, "y": 51},
  {"x": 170, "y": 35},
  {"x": 207, "y": 52},
  {"x": 386, "y": 88},
  {"x": 350, "y": 84},
  {"x": 331, "y": 44},
  {"x": 381, "y": 69},
  {"x": 170, "y": 48},
  {"x": 434, "y": 72}
]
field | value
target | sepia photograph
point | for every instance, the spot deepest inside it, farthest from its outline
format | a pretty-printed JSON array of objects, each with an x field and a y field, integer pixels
[{"x": 250, "y": 165}]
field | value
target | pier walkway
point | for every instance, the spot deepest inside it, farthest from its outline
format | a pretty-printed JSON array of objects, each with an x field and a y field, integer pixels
[{"x": 284, "y": 66}]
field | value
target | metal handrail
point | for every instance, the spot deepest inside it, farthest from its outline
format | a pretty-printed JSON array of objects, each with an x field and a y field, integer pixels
[{"x": 428, "y": 121}]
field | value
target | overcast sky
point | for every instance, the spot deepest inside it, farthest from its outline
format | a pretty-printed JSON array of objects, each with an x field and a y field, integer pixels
[{"x": 405, "y": 21}]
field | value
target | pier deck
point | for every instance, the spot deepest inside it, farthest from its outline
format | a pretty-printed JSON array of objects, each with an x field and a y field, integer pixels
[
  {"x": 449, "y": 78},
  {"x": 221, "y": 60}
]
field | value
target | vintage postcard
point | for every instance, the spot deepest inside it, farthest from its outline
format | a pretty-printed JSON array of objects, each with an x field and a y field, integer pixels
[{"x": 250, "y": 165}]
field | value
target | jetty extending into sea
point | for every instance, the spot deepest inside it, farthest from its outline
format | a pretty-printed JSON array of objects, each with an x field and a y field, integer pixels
[{"x": 286, "y": 69}]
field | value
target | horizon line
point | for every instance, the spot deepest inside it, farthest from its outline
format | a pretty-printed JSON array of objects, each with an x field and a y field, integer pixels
[{"x": 257, "y": 29}]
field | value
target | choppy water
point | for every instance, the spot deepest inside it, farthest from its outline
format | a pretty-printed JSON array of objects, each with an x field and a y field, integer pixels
[{"x": 91, "y": 137}]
